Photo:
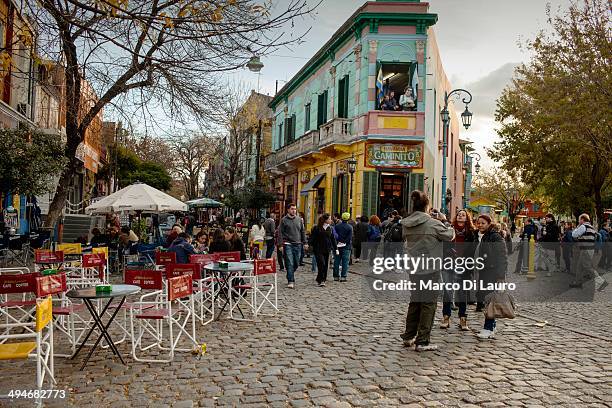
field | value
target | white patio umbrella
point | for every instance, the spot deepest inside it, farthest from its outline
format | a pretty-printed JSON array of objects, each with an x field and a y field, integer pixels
[{"x": 137, "y": 197}]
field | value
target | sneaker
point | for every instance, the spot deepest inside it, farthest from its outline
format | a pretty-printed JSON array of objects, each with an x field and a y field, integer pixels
[
  {"x": 445, "y": 323},
  {"x": 336, "y": 279},
  {"x": 342, "y": 279},
  {"x": 409, "y": 342},
  {"x": 356, "y": 261},
  {"x": 425, "y": 347},
  {"x": 485, "y": 334},
  {"x": 291, "y": 285},
  {"x": 602, "y": 286},
  {"x": 322, "y": 284},
  {"x": 454, "y": 307},
  {"x": 463, "y": 324}
]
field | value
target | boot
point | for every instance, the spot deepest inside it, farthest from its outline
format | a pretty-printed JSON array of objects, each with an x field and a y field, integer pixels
[
  {"x": 463, "y": 324},
  {"x": 445, "y": 324}
]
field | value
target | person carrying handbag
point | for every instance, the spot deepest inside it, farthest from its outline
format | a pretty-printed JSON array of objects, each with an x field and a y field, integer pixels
[{"x": 490, "y": 246}]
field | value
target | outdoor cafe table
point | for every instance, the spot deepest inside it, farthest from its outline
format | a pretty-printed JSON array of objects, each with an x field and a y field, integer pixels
[
  {"x": 223, "y": 277},
  {"x": 89, "y": 294}
]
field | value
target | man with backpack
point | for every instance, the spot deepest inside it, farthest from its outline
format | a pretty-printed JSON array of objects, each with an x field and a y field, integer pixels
[
  {"x": 344, "y": 236},
  {"x": 392, "y": 236}
]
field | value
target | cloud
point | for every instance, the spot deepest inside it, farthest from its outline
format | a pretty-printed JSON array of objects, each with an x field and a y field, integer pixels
[{"x": 487, "y": 89}]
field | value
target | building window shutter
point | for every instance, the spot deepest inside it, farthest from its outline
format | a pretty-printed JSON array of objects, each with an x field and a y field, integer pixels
[
  {"x": 341, "y": 98},
  {"x": 417, "y": 182},
  {"x": 307, "y": 118},
  {"x": 344, "y": 194},
  {"x": 369, "y": 196},
  {"x": 320, "y": 110},
  {"x": 334, "y": 195},
  {"x": 325, "y": 94},
  {"x": 293, "y": 131}
]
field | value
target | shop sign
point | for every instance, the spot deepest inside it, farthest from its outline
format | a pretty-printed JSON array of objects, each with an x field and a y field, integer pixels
[
  {"x": 306, "y": 176},
  {"x": 11, "y": 217},
  {"x": 394, "y": 155},
  {"x": 342, "y": 167}
]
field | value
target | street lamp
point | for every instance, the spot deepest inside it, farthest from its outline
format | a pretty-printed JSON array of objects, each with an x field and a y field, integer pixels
[
  {"x": 351, "y": 163},
  {"x": 255, "y": 65},
  {"x": 466, "y": 119},
  {"x": 468, "y": 176}
]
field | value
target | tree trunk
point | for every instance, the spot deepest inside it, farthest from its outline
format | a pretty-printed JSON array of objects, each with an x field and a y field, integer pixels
[
  {"x": 599, "y": 210},
  {"x": 61, "y": 193}
]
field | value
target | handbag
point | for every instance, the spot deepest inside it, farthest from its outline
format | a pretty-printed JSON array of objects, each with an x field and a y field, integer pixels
[{"x": 500, "y": 305}]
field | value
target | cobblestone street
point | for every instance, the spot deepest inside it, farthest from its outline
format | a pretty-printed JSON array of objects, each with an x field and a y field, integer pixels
[{"x": 331, "y": 347}]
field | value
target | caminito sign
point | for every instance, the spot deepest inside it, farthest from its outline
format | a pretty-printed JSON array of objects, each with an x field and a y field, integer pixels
[{"x": 394, "y": 155}]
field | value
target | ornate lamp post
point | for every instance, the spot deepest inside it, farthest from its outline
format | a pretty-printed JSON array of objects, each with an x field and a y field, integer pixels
[
  {"x": 255, "y": 65},
  {"x": 466, "y": 119},
  {"x": 352, "y": 167},
  {"x": 468, "y": 176}
]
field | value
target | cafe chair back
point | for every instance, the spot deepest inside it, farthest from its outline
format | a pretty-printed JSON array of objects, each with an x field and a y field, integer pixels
[
  {"x": 203, "y": 287},
  {"x": 229, "y": 256},
  {"x": 259, "y": 291},
  {"x": 17, "y": 298},
  {"x": 165, "y": 324}
]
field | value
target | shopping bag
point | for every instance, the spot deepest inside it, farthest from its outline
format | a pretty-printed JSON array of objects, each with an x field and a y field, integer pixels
[{"x": 500, "y": 305}]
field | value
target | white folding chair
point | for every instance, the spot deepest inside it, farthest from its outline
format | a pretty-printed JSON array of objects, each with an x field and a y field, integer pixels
[
  {"x": 176, "y": 311},
  {"x": 256, "y": 291},
  {"x": 17, "y": 298},
  {"x": 41, "y": 348}
]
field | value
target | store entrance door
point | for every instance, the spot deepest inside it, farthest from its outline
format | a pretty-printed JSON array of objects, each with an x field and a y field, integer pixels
[{"x": 392, "y": 193}]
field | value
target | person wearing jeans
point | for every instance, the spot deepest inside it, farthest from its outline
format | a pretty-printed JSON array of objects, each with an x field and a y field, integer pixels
[
  {"x": 345, "y": 243},
  {"x": 293, "y": 239},
  {"x": 270, "y": 228}
]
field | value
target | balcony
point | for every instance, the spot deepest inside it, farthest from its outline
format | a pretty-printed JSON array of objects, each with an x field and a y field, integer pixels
[{"x": 374, "y": 124}]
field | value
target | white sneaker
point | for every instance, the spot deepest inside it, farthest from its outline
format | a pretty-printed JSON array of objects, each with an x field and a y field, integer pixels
[
  {"x": 485, "y": 334},
  {"x": 322, "y": 284},
  {"x": 426, "y": 347},
  {"x": 290, "y": 285}
]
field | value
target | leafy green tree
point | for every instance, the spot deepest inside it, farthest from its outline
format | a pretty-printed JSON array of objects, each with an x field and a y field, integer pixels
[
  {"x": 29, "y": 161},
  {"x": 555, "y": 116},
  {"x": 251, "y": 196},
  {"x": 131, "y": 169}
]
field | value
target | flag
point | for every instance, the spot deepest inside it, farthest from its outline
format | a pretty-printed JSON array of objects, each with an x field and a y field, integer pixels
[
  {"x": 415, "y": 81},
  {"x": 380, "y": 94}
]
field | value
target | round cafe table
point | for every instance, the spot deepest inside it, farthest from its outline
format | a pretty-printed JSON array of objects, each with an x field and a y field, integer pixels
[
  {"x": 90, "y": 294},
  {"x": 223, "y": 276}
]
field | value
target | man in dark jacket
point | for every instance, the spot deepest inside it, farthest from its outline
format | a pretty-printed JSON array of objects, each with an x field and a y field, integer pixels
[
  {"x": 551, "y": 245},
  {"x": 270, "y": 227},
  {"x": 360, "y": 235},
  {"x": 182, "y": 247},
  {"x": 345, "y": 243},
  {"x": 292, "y": 237}
]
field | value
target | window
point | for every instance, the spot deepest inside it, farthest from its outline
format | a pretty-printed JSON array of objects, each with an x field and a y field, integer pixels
[
  {"x": 306, "y": 118},
  {"x": 290, "y": 129},
  {"x": 322, "y": 109},
  {"x": 399, "y": 78},
  {"x": 280, "y": 135},
  {"x": 343, "y": 91}
]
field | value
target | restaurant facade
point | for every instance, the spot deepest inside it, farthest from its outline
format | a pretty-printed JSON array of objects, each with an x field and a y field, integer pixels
[{"x": 338, "y": 144}]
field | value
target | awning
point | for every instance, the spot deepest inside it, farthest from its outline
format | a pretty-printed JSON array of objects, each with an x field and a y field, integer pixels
[{"x": 313, "y": 183}]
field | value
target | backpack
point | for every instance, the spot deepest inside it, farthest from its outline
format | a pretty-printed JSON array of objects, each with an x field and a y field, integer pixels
[
  {"x": 394, "y": 233},
  {"x": 373, "y": 233}
]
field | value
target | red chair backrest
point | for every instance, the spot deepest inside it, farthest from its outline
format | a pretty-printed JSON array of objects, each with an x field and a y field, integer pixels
[
  {"x": 46, "y": 256},
  {"x": 229, "y": 256},
  {"x": 179, "y": 286},
  {"x": 174, "y": 270},
  {"x": 50, "y": 284},
  {"x": 147, "y": 279},
  {"x": 203, "y": 259},
  {"x": 265, "y": 266},
  {"x": 165, "y": 258},
  {"x": 18, "y": 283},
  {"x": 93, "y": 260}
]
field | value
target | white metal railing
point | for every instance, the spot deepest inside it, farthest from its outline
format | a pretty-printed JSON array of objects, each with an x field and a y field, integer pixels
[{"x": 75, "y": 208}]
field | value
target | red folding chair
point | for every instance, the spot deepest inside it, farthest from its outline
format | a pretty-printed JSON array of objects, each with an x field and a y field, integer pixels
[
  {"x": 17, "y": 299},
  {"x": 164, "y": 258},
  {"x": 45, "y": 258},
  {"x": 91, "y": 272},
  {"x": 257, "y": 290},
  {"x": 174, "y": 308},
  {"x": 66, "y": 312},
  {"x": 229, "y": 256},
  {"x": 203, "y": 288}
]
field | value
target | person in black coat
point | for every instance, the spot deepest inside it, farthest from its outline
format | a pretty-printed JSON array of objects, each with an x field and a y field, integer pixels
[
  {"x": 236, "y": 243},
  {"x": 490, "y": 246},
  {"x": 361, "y": 235},
  {"x": 322, "y": 241},
  {"x": 219, "y": 243}
]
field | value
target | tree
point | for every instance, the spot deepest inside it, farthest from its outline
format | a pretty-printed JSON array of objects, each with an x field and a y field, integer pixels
[
  {"x": 191, "y": 154},
  {"x": 555, "y": 116},
  {"x": 252, "y": 195},
  {"x": 130, "y": 169},
  {"x": 29, "y": 161},
  {"x": 161, "y": 56},
  {"x": 504, "y": 189}
]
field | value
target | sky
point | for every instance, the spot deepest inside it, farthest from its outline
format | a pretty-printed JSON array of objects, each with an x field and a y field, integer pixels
[{"x": 478, "y": 40}]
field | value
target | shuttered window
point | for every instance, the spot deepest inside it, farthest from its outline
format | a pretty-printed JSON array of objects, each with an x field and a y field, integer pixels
[
  {"x": 334, "y": 195},
  {"x": 369, "y": 196},
  {"x": 344, "y": 195}
]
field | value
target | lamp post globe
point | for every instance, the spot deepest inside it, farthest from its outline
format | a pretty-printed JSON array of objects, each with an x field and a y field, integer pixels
[
  {"x": 254, "y": 64},
  {"x": 466, "y": 118}
]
